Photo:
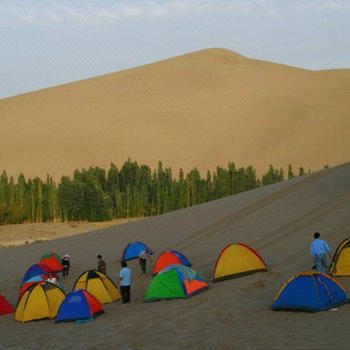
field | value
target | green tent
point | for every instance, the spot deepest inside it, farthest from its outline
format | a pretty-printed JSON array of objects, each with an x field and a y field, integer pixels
[
  {"x": 165, "y": 286},
  {"x": 174, "y": 282}
]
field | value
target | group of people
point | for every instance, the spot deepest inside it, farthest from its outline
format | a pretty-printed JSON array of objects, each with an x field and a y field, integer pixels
[{"x": 125, "y": 273}]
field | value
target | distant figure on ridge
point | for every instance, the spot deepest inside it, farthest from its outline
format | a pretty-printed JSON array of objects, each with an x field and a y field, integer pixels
[
  {"x": 66, "y": 265},
  {"x": 125, "y": 282},
  {"x": 101, "y": 266},
  {"x": 319, "y": 250}
]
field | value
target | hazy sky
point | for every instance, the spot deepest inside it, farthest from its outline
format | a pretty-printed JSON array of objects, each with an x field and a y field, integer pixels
[{"x": 49, "y": 42}]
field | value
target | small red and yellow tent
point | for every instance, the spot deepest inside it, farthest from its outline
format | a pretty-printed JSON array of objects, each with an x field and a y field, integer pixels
[{"x": 236, "y": 260}]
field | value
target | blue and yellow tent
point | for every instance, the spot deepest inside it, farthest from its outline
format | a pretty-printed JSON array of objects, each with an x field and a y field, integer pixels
[
  {"x": 99, "y": 285},
  {"x": 310, "y": 291}
]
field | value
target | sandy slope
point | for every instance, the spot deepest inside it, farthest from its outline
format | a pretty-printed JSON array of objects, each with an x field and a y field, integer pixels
[
  {"x": 277, "y": 220},
  {"x": 201, "y": 109}
]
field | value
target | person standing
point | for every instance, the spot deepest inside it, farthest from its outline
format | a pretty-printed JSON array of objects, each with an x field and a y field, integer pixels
[
  {"x": 66, "y": 265},
  {"x": 101, "y": 265},
  {"x": 125, "y": 282},
  {"x": 143, "y": 257},
  {"x": 319, "y": 250}
]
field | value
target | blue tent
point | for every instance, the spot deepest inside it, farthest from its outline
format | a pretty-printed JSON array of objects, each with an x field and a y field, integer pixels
[
  {"x": 79, "y": 305},
  {"x": 310, "y": 291},
  {"x": 133, "y": 250},
  {"x": 35, "y": 270}
]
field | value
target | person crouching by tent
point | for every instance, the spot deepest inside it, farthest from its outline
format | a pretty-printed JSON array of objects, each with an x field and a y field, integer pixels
[
  {"x": 125, "y": 282},
  {"x": 319, "y": 250},
  {"x": 66, "y": 265},
  {"x": 143, "y": 257}
]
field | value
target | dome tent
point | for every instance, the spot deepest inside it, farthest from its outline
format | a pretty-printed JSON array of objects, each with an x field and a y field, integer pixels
[
  {"x": 175, "y": 281},
  {"x": 52, "y": 261},
  {"x": 35, "y": 270},
  {"x": 5, "y": 306},
  {"x": 236, "y": 260},
  {"x": 39, "y": 301},
  {"x": 310, "y": 291},
  {"x": 99, "y": 285},
  {"x": 340, "y": 265},
  {"x": 170, "y": 257},
  {"x": 79, "y": 305},
  {"x": 133, "y": 250}
]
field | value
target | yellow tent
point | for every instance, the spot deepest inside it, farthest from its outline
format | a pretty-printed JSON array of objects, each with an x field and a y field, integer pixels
[
  {"x": 99, "y": 285},
  {"x": 39, "y": 301},
  {"x": 236, "y": 260},
  {"x": 340, "y": 265}
]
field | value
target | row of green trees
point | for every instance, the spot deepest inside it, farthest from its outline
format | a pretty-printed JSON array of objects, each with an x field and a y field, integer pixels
[{"x": 132, "y": 191}]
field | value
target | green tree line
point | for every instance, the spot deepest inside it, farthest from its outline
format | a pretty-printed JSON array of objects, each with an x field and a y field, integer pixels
[{"x": 134, "y": 190}]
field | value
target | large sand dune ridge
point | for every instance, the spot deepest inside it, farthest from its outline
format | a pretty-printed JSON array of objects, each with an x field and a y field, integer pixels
[{"x": 201, "y": 109}]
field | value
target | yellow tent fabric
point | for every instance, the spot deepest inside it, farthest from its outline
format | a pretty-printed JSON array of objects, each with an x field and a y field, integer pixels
[
  {"x": 40, "y": 301},
  {"x": 99, "y": 285},
  {"x": 340, "y": 265},
  {"x": 236, "y": 260}
]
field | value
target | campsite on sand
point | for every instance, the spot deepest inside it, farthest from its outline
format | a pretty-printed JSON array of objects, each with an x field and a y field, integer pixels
[{"x": 277, "y": 221}]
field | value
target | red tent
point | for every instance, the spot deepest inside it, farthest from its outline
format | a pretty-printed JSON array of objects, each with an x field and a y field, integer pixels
[
  {"x": 5, "y": 306},
  {"x": 52, "y": 261}
]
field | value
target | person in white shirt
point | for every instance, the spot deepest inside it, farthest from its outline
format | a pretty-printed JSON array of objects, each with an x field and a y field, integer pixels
[
  {"x": 51, "y": 278},
  {"x": 125, "y": 282}
]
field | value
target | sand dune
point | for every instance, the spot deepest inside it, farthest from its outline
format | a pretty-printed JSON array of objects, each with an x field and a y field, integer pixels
[
  {"x": 202, "y": 109},
  {"x": 277, "y": 220}
]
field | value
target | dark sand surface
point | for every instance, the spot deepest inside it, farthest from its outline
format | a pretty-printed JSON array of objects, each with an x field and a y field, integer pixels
[{"x": 278, "y": 221}]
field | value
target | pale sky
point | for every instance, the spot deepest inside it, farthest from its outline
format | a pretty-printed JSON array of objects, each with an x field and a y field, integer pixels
[{"x": 45, "y": 43}]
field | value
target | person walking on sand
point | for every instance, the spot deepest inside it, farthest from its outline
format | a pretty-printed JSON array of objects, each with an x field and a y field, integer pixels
[
  {"x": 319, "y": 250},
  {"x": 101, "y": 265},
  {"x": 66, "y": 265},
  {"x": 125, "y": 282}
]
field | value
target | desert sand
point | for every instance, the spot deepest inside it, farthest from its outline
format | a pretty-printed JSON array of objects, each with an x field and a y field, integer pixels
[
  {"x": 201, "y": 109},
  {"x": 278, "y": 221},
  {"x": 29, "y": 233}
]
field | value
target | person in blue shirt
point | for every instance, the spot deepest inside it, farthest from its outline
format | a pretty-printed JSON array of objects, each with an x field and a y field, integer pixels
[
  {"x": 319, "y": 250},
  {"x": 125, "y": 282}
]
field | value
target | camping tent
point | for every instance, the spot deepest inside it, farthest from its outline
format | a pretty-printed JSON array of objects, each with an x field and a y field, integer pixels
[
  {"x": 79, "y": 305},
  {"x": 99, "y": 285},
  {"x": 340, "y": 265},
  {"x": 175, "y": 281},
  {"x": 39, "y": 301},
  {"x": 30, "y": 282},
  {"x": 237, "y": 260},
  {"x": 5, "y": 306},
  {"x": 52, "y": 261},
  {"x": 169, "y": 257},
  {"x": 35, "y": 270},
  {"x": 310, "y": 291},
  {"x": 133, "y": 250}
]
